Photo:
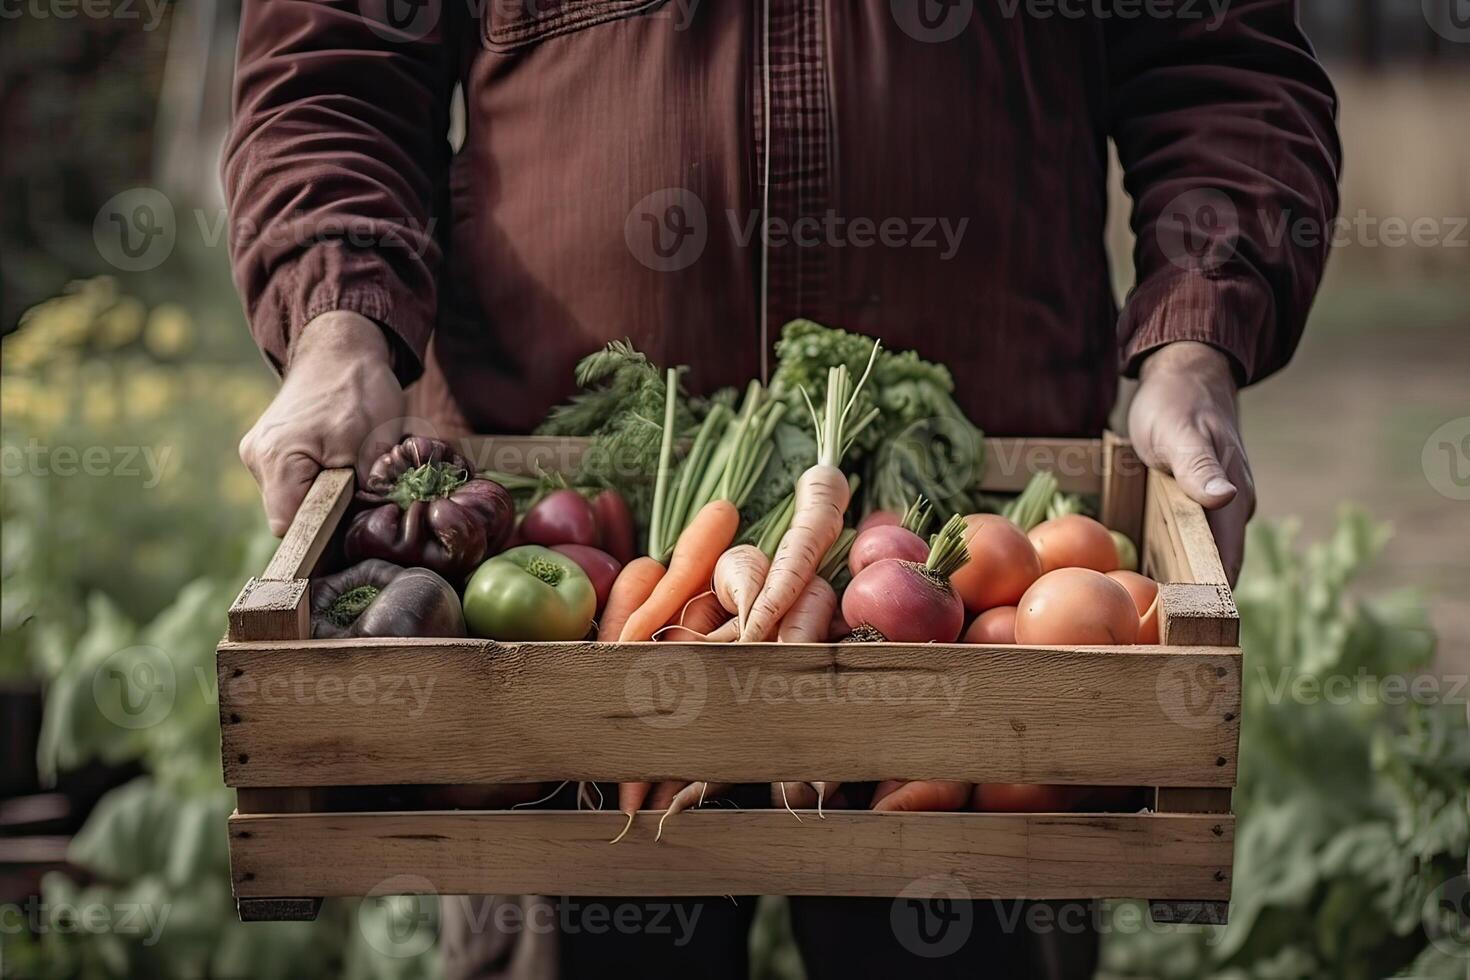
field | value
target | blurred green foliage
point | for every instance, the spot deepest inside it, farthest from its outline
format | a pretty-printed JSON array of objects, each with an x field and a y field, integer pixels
[
  {"x": 115, "y": 585},
  {"x": 1354, "y": 768}
]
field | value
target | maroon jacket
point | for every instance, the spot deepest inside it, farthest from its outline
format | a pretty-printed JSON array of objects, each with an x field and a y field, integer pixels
[{"x": 936, "y": 177}]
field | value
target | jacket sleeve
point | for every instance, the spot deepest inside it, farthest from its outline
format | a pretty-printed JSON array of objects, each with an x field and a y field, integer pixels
[
  {"x": 1226, "y": 129},
  {"x": 334, "y": 167}
]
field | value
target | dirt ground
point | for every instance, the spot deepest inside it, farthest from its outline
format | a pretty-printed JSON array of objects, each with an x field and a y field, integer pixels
[{"x": 1380, "y": 369}]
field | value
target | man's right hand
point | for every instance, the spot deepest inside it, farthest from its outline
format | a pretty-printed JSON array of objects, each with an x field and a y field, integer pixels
[{"x": 340, "y": 405}]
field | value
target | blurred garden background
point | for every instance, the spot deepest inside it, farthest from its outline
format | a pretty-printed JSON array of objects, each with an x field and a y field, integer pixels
[{"x": 129, "y": 525}]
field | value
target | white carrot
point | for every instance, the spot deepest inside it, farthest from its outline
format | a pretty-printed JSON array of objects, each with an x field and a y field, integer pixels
[
  {"x": 809, "y": 618},
  {"x": 822, "y": 496},
  {"x": 739, "y": 575}
]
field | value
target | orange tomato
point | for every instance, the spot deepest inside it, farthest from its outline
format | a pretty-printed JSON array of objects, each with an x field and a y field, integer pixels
[
  {"x": 1145, "y": 593},
  {"x": 1022, "y": 798},
  {"x": 1002, "y": 564},
  {"x": 1076, "y": 606},
  {"x": 1074, "y": 541},
  {"x": 996, "y": 625}
]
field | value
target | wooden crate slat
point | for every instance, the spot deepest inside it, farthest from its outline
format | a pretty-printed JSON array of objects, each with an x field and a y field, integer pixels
[
  {"x": 1178, "y": 543},
  {"x": 710, "y": 851},
  {"x": 312, "y": 527},
  {"x": 1009, "y": 462},
  {"x": 468, "y": 711}
]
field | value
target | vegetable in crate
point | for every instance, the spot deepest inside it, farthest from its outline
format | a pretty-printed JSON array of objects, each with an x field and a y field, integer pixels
[
  {"x": 426, "y": 508},
  {"x": 378, "y": 598},
  {"x": 921, "y": 443},
  {"x": 530, "y": 593},
  {"x": 912, "y": 603}
]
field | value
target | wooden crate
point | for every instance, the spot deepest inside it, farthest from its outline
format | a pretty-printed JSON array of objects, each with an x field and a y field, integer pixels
[{"x": 306, "y": 723}]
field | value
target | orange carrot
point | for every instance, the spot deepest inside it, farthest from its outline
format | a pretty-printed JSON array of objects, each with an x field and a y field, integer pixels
[
  {"x": 690, "y": 568},
  {"x": 634, "y": 584},
  {"x": 739, "y": 575},
  {"x": 897, "y": 795},
  {"x": 809, "y": 618}
]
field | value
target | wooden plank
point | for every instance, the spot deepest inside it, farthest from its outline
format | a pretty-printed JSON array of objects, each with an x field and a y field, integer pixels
[
  {"x": 1124, "y": 486},
  {"x": 382, "y": 711},
  {"x": 312, "y": 527},
  {"x": 1009, "y": 462},
  {"x": 523, "y": 455},
  {"x": 1198, "y": 615},
  {"x": 1177, "y": 541},
  {"x": 746, "y": 852},
  {"x": 272, "y": 610}
]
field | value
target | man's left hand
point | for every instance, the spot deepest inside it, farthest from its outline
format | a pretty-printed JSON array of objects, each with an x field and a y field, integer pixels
[{"x": 1184, "y": 420}]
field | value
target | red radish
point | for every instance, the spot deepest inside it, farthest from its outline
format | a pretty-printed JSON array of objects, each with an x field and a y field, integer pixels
[
  {"x": 615, "y": 525},
  {"x": 739, "y": 575},
  {"x": 560, "y": 517},
  {"x": 879, "y": 518},
  {"x": 885, "y": 541},
  {"x": 996, "y": 625},
  {"x": 822, "y": 496},
  {"x": 1076, "y": 607},
  {"x": 905, "y": 796},
  {"x": 808, "y": 620},
  {"x": 1074, "y": 541},
  {"x": 601, "y": 567},
  {"x": 1002, "y": 564},
  {"x": 908, "y": 602},
  {"x": 1022, "y": 798},
  {"x": 692, "y": 795}
]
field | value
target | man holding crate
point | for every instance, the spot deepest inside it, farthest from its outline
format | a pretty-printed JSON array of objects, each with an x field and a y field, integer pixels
[{"x": 686, "y": 175}]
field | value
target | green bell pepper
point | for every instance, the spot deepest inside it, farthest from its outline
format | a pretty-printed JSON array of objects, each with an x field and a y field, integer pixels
[{"x": 530, "y": 593}]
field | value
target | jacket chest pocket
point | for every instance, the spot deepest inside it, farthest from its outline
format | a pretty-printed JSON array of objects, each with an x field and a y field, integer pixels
[{"x": 508, "y": 25}]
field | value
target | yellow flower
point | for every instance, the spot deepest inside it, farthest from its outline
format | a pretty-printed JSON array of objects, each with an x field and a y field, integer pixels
[
  {"x": 237, "y": 488},
  {"x": 120, "y": 324},
  {"x": 17, "y": 399},
  {"x": 147, "y": 393},
  {"x": 170, "y": 331}
]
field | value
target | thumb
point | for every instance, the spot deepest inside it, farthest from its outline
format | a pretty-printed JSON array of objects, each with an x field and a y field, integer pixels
[{"x": 1196, "y": 466}]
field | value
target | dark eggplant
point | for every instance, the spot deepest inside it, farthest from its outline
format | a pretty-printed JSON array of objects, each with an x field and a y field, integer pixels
[
  {"x": 426, "y": 507},
  {"x": 378, "y": 598}
]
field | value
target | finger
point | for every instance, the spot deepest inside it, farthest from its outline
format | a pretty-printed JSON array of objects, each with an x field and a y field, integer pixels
[
  {"x": 286, "y": 479},
  {"x": 1196, "y": 465},
  {"x": 378, "y": 441},
  {"x": 1228, "y": 523}
]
